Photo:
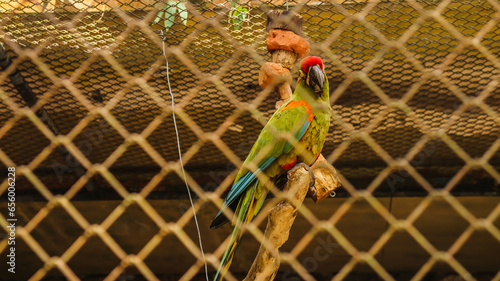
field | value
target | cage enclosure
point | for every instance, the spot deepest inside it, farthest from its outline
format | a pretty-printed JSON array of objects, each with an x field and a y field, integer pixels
[{"x": 87, "y": 123}]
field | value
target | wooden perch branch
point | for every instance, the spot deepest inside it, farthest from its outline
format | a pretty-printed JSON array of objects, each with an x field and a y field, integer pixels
[
  {"x": 327, "y": 179},
  {"x": 280, "y": 220},
  {"x": 281, "y": 217}
]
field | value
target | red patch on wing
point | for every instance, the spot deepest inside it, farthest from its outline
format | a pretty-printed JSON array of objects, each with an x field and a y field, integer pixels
[
  {"x": 306, "y": 63},
  {"x": 290, "y": 165},
  {"x": 297, "y": 103}
]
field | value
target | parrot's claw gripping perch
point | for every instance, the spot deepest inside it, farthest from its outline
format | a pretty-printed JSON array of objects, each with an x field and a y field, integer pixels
[{"x": 311, "y": 173}]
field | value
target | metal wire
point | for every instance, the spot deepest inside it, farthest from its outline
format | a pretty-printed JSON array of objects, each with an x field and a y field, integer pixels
[{"x": 180, "y": 159}]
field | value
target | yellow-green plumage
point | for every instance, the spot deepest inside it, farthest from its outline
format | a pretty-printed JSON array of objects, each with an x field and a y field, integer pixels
[{"x": 306, "y": 117}]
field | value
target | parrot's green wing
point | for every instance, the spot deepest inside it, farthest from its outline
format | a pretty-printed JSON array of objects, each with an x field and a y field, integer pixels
[{"x": 294, "y": 117}]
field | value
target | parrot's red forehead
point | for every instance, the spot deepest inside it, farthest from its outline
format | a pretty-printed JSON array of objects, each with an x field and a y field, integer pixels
[{"x": 306, "y": 63}]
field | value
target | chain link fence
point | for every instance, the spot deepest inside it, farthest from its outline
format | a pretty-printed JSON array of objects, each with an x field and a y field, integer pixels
[{"x": 99, "y": 187}]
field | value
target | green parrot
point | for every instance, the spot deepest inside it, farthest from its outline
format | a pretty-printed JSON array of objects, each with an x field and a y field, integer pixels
[{"x": 307, "y": 118}]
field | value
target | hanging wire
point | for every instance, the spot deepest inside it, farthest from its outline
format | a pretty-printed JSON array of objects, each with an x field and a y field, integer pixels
[
  {"x": 180, "y": 159},
  {"x": 102, "y": 15}
]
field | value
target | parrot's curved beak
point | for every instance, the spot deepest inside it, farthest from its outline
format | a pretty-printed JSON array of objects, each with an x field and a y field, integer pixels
[{"x": 315, "y": 78}]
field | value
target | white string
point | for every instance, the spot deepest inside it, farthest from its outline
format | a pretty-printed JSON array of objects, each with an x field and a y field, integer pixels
[
  {"x": 102, "y": 15},
  {"x": 182, "y": 164}
]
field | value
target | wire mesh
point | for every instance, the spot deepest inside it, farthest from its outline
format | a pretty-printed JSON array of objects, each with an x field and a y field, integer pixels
[{"x": 415, "y": 99}]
